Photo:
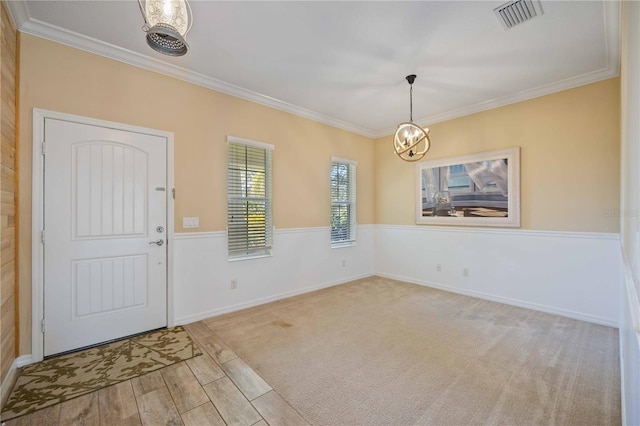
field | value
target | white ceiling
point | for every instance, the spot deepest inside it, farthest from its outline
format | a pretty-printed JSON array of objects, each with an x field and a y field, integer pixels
[{"x": 344, "y": 63}]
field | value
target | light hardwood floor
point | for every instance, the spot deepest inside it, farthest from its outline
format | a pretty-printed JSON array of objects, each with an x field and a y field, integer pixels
[{"x": 216, "y": 388}]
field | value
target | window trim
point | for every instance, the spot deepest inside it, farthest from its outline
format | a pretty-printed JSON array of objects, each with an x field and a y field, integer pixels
[
  {"x": 269, "y": 190},
  {"x": 250, "y": 142},
  {"x": 353, "y": 165}
]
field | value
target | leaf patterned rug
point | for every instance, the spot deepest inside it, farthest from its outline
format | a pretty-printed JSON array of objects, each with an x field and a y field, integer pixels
[{"x": 68, "y": 376}]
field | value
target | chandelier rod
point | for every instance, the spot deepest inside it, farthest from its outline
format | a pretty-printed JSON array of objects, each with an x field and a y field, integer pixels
[
  {"x": 411, "y": 78},
  {"x": 411, "y": 102}
]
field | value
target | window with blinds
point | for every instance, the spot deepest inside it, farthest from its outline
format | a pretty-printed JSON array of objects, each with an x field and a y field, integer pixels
[
  {"x": 249, "y": 220},
  {"x": 343, "y": 202}
]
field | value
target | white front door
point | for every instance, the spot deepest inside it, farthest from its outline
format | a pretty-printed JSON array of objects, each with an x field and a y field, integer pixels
[{"x": 105, "y": 221}]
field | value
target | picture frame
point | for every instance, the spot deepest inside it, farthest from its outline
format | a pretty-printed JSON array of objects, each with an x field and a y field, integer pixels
[{"x": 480, "y": 189}]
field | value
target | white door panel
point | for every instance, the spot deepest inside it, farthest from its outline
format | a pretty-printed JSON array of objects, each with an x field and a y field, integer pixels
[
  {"x": 111, "y": 201},
  {"x": 104, "y": 198}
]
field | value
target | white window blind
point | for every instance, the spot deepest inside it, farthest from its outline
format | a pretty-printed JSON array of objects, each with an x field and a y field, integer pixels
[
  {"x": 343, "y": 202},
  {"x": 249, "y": 218}
]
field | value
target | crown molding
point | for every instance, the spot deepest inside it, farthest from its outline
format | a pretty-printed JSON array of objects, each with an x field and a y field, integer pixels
[
  {"x": 24, "y": 23},
  {"x": 19, "y": 12},
  {"x": 524, "y": 95},
  {"x": 79, "y": 41}
]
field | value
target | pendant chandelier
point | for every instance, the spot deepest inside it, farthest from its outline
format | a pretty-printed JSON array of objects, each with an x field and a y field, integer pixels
[
  {"x": 167, "y": 23},
  {"x": 411, "y": 142}
]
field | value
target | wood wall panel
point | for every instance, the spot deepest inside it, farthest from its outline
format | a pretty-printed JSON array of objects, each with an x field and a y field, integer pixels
[{"x": 8, "y": 196}]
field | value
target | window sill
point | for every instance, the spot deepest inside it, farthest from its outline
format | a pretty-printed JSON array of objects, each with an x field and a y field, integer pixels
[
  {"x": 343, "y": 245},
  {"x": 240, "y": 258}
]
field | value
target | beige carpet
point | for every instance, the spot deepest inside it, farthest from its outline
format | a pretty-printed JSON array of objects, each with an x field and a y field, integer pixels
[
  {"x": 69, "y": 376},
  {"x": 382, "y": 352}
]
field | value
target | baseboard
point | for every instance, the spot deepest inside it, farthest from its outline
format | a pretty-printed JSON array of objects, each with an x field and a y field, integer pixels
[
  {"x": 24, "y": 360},
  {"x": 507, "y": 301},
  {"x": 7, "y": 384},
  {"x": 500, "y": 299},
  {"x": 220, "y": 311}
]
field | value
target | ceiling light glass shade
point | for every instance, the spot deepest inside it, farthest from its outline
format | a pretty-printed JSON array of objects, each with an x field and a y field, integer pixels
[
  {"x": 411, "y": 142},
  {"x": 167, "y": 23}
]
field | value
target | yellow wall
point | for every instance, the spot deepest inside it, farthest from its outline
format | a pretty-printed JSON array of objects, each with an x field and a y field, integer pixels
[
  {"x": 60, "y": 78},
  {"x": 569, "y": 159}
]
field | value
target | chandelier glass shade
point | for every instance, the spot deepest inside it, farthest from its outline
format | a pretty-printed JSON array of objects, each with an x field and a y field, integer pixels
[
  {"x": 410, "y": 141},
  {"x": 167, "y": 23}
]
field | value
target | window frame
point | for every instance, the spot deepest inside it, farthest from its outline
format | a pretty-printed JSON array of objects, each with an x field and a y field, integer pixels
[
  {"x": 267, "y": 249},
  {"x": 351, "y": 202}
]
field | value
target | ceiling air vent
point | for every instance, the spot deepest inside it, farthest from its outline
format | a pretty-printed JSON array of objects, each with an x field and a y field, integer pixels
[{"x": 516, "y": 12}]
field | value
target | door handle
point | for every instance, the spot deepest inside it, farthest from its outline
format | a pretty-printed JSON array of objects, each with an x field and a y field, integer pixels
[{"x": 158, "y": 243}]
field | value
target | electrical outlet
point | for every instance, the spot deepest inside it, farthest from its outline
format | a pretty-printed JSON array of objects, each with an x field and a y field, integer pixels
[
  {"x": 465, "y": 272},
  {"x": 234, "y": 284},
  {"x": 438, "y": 267}
]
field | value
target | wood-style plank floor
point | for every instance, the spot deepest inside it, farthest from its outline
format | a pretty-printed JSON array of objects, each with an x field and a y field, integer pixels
[{"x": 216, "y": 388}]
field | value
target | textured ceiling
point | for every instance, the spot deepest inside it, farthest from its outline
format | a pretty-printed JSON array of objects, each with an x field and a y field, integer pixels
[{"x": 344, "y": 63}]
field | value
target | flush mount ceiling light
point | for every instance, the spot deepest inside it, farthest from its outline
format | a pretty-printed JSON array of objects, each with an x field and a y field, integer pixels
[
  {"x": 167, "y": 23},
  {"x": 411, "y": 142}
]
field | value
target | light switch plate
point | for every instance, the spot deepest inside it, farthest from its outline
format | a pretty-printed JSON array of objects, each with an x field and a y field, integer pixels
[{"x": 190, "y": 222}]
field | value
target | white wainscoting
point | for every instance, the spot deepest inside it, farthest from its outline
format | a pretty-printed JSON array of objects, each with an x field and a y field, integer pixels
[
  {"x": 630, "y": 348},
  {"x": 302, "y": 261},
  {"x": 576, "y": 275}
]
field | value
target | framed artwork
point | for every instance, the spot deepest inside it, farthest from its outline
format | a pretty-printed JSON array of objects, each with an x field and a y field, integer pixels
[{"x": 473, "y": 190}]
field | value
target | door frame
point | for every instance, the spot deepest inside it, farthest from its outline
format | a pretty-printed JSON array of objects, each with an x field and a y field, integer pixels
[{"x": 37, "y": 217}]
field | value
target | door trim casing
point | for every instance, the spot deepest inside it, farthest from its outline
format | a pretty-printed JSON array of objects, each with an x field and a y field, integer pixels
[{"x": 37, "y": 216}]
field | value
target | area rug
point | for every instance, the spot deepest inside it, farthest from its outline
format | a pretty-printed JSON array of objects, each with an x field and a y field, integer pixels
[
  {"x": 383, "y": 352},
  {"x": 68, "y": 376}
]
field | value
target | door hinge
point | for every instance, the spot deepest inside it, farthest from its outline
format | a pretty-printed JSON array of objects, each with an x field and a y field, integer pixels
[
  {"x": 173, "y": 193},
  {"x": 44, "y": 148},
  {"x": 42, "y": 325},
  {"x": 42, "y": 236}
]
